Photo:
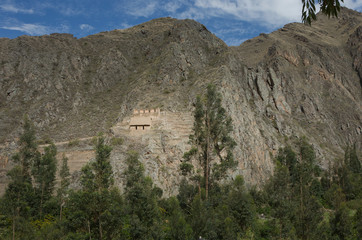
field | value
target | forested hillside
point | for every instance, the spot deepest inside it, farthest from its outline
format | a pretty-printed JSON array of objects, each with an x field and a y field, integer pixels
[{"x": 300, "y": 201}]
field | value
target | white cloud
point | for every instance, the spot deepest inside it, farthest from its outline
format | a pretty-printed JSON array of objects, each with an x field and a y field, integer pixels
[
  {"x": 172, "y": 6},
  {"x": 235, "y": 41},
  {"x": 68, "y": 11},
  {"x": 125, "y": 25},
  {"x": 234, "y": 32},
  {"x": 192, "y": 13},
  {"x": 141, "y": 9},
  {"x": 14, "y": 9},
  {"x": 221, "y": 30},
  {"x": 65, "y": 8},
  {"x": 267, "y": 13},
  {"x": 86, "y": 27},
  {"x": 32, "y": 29},
  {"x": 270, "y": 13},
  {"x": 353, "y": 4}
]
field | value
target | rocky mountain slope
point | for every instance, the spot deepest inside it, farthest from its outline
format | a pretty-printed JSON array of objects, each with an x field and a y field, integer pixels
[{"x": 297, "y": 81}]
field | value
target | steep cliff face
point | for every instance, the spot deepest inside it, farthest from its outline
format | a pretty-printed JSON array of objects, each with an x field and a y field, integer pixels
[{"x": 297, "y": 81}]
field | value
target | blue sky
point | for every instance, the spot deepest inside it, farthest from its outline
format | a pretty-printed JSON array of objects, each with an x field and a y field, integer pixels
[{"x": 234, "y": 21}]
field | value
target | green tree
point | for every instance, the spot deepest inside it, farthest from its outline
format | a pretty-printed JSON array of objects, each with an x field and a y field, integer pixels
[
  {"x": 19, "y": 194},
  {"x": 280, "y": 197},
  {"x": 294, "y": 192},
  {"x": 114, "y": 217},
  {"x": 141, "y": 200},
  {"x": 27, "y": 150},
  {"x": 79, "y": 215},
  {"x": 352, "y": 160},
  {"x": 308, "y": 208},
  {"x": 102, "y": 166},
  {"x": 327, "y": 7},
  {"x": 88, "y": 210},
  {"x": 358, "y": 220},
  {"x": 224, "y": 224},
  {"x": 200, "y": 217},
  {"x": 342, "y": 223},
  {"x": 176, "y": 226},
  {"x": 43, "y": 171},
  {"x": 62, "y": 191},
  {"x": 287, "y": 157},
  {"x": 241, "y": 204},
  {"x": 103, "y": 180},
  {"x": 347, "y": 174},
  {"x": 211, "y": 142},
  {"x": 17, "y": 199},
  {"x": 334, "y": 196},
  {"x": 186, "y": 194}
]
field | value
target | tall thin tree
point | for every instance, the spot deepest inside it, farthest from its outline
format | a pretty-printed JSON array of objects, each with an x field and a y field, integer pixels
[
  {"x": 211, "y": 140},
  {"x": 19, "y": 192},
  {"x": 43, "y": 171},
  {"x": 64, "y": 184}
]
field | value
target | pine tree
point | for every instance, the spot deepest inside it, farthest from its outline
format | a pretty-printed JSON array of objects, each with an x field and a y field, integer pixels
[
  {"x": 342, "y": 223},
  {"x": 211, "y": 142},
  {"x": 141, "y": 200},
  {"x": 43, "y": 171},
  {"x": 177, "y": 227},
  {"x": 102, "y": 166},
  {"x": 89, "y": 208},
  {"x": 28, "y": 150},
  {"x": 19, "y": 193},
  {"x": 64, "y": 185},
  {"x": 308, "y": 208},
  {"x": 279, "y": 192},
  {"x": 354, "y": 163},
  {"x": 347, "y": 174},
  {"x": 241, "y": 204},
  {"x": 17, "y": 198},
  {"x": 199, "y": 217},
  {"x": 294, "y": 192}
]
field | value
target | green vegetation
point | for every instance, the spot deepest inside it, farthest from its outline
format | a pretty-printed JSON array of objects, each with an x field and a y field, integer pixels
[
  {"x": 116, "y": 141},
  {"x": 45, "y": 140},
  {"x": 73, "y": 143},
  {"x": 211, "y": 142},
  {"x": 327, "y": 7},
  {"x": 300, "y": 201},
  {"x": 62, "y": 192}
]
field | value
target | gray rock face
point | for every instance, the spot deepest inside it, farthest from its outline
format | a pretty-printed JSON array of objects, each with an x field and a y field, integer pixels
[{"x": 297, "y": 81}]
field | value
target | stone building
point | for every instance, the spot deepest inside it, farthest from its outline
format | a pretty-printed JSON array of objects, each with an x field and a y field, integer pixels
[{"x": 142, "y": 119}]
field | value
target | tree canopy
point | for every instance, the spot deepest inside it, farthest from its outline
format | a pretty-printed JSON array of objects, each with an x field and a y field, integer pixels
[
  {"x": 211, "y": 139},
  {"x": 328, "y": 7}
]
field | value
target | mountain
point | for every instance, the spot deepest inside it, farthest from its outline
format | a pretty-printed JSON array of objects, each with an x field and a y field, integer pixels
[{"x": 297, "y": 81}]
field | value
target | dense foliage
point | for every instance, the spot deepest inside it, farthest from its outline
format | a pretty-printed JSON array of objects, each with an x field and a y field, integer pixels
[{"x": 300, "y": 201}]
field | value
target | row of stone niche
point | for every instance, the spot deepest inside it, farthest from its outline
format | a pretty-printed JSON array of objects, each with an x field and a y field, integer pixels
[{"x": 143, "y": 111}]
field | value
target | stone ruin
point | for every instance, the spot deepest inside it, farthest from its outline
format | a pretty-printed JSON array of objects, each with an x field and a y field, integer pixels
[{"x": 142, "y": 119}]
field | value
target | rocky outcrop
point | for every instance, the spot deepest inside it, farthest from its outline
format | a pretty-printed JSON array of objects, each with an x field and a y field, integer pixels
[
  {"x": 355, "y": 42},
  {"x": 297, "y": 81}
]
